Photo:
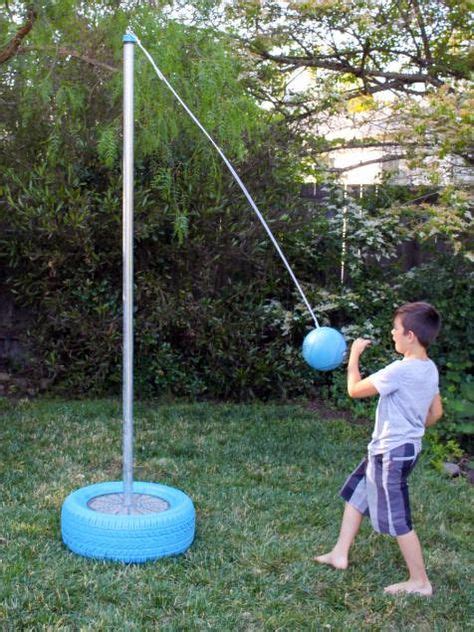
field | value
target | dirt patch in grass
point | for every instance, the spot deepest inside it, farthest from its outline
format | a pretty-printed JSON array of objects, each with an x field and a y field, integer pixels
[{"x": 326, "y": 412}]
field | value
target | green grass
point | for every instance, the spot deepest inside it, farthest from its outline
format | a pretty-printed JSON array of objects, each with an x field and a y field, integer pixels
[{"x": 264, "y": 480}]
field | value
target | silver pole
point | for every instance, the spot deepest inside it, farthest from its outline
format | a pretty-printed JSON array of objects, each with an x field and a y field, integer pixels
[
  {"x": 344, "y": 234},
  {"x": 128, "y": 59}
]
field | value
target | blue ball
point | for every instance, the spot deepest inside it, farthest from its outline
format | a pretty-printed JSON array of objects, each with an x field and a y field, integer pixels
[{"x": 324, "y": 348}]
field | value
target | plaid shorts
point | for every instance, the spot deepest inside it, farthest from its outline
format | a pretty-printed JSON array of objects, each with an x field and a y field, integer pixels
[{"x": 378, "y": 488}]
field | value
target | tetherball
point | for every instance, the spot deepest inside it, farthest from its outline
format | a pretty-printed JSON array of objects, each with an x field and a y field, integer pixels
[{"x": 324, "y": 348}]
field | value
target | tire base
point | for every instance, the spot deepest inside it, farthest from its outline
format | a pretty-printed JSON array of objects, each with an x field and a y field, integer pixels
[{"x": 128, "y": 538}]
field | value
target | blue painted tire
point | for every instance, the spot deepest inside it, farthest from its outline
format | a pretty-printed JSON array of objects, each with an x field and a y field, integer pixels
[{"x": 123, "y": 538}]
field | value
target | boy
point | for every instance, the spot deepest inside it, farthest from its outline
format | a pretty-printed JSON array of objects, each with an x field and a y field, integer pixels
[{"x": 409, "y": 401}]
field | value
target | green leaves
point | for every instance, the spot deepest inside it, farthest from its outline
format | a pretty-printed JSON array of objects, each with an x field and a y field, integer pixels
[
  {"x": 107, "y": 147},
  {"x": 216, "y": 313}
]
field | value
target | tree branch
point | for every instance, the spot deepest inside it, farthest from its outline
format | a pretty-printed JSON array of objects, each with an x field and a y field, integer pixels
[
  {"x": 343, "y": 67},
  {"x": 66, "y": 52},
  {"x": 364, "y": 163},
  {"x": 360, "y": 145},
  {"x": 424, "y": 37},
  {"x": 12, "y": 47}
]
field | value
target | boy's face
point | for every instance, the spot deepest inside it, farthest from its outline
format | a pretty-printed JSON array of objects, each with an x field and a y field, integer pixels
[{"x": 401, "y": 339}]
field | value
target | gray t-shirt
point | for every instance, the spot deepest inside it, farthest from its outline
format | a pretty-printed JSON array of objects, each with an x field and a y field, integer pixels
[{"x": 406, "y": 388}]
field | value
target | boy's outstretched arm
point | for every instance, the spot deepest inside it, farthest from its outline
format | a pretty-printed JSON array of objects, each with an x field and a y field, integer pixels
[
  {"x": 435, "y": 411},
  {"x": 357, "y": 387}
]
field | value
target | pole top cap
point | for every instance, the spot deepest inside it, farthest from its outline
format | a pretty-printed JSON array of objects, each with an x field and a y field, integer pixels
[{"x": 129, "y": 37}]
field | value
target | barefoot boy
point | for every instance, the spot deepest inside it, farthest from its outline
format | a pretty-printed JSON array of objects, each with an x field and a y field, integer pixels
[{"x": 409, "y": 401}]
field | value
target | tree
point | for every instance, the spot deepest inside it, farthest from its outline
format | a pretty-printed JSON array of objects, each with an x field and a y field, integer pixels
[
  {"x": 203, "y": 267},
  {"x": 398, "y": 72},
  {"x": 363, "y": 55},
  {"x": 217, "y": 313},
  {"x": 12, "y": 47}
]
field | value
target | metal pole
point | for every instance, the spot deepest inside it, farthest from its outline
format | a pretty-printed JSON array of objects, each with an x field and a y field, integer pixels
[
  {"x": 128, "y": 59},
  {"x": 344, "y": 234}
]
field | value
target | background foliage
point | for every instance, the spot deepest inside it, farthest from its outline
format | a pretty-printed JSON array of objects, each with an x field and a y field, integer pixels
[{"x": 216, "y": 314}]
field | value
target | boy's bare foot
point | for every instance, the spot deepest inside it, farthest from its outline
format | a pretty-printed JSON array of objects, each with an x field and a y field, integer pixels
[
  {"x": 337, "y": 561},
  {"x": 412, "y": 587}
]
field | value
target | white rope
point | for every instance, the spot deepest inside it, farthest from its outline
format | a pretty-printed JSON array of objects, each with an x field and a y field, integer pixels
[{"x": 235, "y": 175}]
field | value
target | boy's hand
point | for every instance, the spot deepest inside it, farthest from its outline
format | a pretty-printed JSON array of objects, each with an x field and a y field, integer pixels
[
  {"x": 359, "y": 345},
  {"x": 356, "y": 386}
]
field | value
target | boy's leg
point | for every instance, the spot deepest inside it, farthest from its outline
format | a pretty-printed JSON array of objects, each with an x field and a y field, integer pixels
[
  {"x": 339, "y": 555},
  {"x": 418, "y": 581}
]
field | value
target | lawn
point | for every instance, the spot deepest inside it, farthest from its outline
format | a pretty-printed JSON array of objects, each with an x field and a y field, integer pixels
[{"x": 264, "y": 479}]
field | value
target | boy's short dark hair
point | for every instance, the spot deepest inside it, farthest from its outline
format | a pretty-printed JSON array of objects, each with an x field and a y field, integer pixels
[{"x": 422, "y": 319}]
